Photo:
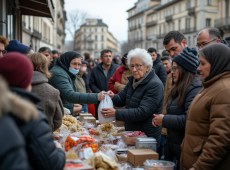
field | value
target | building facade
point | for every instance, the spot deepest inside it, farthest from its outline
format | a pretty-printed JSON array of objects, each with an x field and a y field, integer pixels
[
  {"x": 94, "y": 36},
  {"x": 223, "y": 18},
  {"x": 187, "y": 16},
  {"x": 34, "y": 23}
]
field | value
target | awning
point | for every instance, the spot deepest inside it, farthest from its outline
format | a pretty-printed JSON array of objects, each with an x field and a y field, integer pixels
[{"x": 42, "y": 8}]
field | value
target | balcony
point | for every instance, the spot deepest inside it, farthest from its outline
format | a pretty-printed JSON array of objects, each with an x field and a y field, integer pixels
[
  {"x": 223, "y": 23},
  {"x": 189, "y": 30},
  {"x": 36, "y": 34},
  {"x": 191, "y": 11},
  {"x": 168, "y": 18},
  {"x": 151, "y": 38},
  {"x": 152, "y": 23},
  {"x": 59, "y": 32},
  {"x": 160, "y": 36}
]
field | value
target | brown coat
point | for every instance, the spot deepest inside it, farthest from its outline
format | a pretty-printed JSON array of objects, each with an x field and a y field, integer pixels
[
  {"x": 50, "y": 99},
  {"x": 206, "y": 144}
]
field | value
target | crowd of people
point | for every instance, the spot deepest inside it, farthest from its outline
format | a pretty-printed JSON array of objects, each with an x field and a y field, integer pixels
[{"x": 179, "y": 97}]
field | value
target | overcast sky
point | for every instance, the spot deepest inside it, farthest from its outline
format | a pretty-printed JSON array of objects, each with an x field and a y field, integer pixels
[{"x": 112, "y": 12}]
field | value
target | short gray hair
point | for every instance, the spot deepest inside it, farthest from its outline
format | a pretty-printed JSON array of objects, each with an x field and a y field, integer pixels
[{"x": 142, "y": 54}]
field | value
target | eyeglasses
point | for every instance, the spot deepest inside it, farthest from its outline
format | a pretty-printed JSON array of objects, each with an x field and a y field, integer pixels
[
  {"x": 3, "y": 51},
  {"x": 137, "y": 66},
  {"x": 76, "y": 64},
  {"x": 174, "y": 68},
  {"x": 201, "y": 45}
]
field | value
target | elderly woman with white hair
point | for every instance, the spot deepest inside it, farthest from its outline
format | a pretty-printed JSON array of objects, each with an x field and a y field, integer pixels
[{"x": 142, "y": 96}]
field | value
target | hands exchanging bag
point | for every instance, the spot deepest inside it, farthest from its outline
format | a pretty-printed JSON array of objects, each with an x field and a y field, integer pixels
[{"x": 106, "y": 112}]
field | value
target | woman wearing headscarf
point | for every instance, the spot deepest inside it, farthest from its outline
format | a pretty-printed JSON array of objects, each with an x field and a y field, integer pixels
[
  {"x": 206, "y": 143},
  {"x": 50, "y": 97},
  {"x": 142, "y": 96},
  {"x": 186, "y": 84},
  {"x": 63, "y": 77}
]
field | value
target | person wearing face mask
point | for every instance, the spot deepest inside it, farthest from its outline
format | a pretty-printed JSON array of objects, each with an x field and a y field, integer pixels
[{"x": 63, "y": 78}]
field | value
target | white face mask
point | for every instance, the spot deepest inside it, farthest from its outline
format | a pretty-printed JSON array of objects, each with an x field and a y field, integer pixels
[{"x": 73, "y": 71}]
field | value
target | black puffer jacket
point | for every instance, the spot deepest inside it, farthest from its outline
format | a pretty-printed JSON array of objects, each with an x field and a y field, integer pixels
[
  {"x": 12, "y": 151},
  {"x": 40, "y": 146},
  {"x": 141, "y": 103},
  {"x": 175, "y": 119},
  {"x": 98, "y": 81},
  {"x": 160, "y": 69}
]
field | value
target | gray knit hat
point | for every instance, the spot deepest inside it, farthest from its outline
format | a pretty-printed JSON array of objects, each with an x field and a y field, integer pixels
[{"x": 188, "y": 59}]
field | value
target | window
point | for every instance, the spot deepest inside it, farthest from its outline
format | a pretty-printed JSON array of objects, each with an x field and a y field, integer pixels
[
  {"x": 102, "y": 38},
  {"x": 208, "y": 22},
  {"x": 189, "y": 41},
  {"x": 179, "y": 24},
  {"x": 187, "y": 27},
  {"x": 95, "y": 37},
  {"x": 209, "y": 2}
]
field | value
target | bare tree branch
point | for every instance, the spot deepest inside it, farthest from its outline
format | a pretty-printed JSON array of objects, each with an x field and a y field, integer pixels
[{"x": 75, "y": 19}]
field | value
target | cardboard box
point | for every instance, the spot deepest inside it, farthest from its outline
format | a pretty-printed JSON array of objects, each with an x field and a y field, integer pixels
[
  {"x": 138, "y": 156},
  {"x": 91, "y": 120},
  {"x": 82, "y": 115},
  {"x": 129, "y": 140}
]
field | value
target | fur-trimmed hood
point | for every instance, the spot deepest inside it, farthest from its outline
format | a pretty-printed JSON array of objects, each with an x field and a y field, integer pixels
[{"x": 11, "y": 103}]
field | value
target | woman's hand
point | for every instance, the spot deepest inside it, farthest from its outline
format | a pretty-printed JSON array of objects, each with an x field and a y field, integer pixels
[
  {"x": 110, "y": 93},
  {"x": 157, "y": 120},
  {"x": 108, "y": 112},
  {"x": 101, "y": 95}
]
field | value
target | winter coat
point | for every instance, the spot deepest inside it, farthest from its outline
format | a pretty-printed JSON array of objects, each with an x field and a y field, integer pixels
[
  {"x": 61, "y": 80},
  {"x": 13, "y": 148},
  {"x": 98, "y": 81},
  {"x": 206, "y": 144},
  {"x": 12, "y": 151},
  {"x": 140, "y": 105},
  {"x": 50, "y": 99},
  {"x": 40, "y": 147},
  {"x": 160, "y": 69},
  {"x": 119, "y": 79},
  {"x": 80, "y": 84},
  {"x": 175, "y": 119}
]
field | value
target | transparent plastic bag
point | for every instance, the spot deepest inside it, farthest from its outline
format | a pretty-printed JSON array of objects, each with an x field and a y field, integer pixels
[{"x": 106, "y": 103}]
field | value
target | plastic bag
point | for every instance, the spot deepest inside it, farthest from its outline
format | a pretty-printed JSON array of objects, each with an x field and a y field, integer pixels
[{"x": 106, "y": 103}]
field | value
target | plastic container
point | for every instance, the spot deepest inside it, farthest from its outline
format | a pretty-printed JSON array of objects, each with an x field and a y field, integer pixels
[
  {"x": 146, "y": 142},
  {"x": 158, "y": 165}
]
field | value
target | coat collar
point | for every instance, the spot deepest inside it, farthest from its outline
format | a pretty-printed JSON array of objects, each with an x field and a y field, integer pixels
[{"x": 215, "y": 78}]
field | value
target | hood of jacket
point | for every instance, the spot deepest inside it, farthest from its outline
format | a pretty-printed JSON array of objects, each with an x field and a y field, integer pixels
[
  {"x": 39, "y": 78},
  {"x": 12, "y": 103}
]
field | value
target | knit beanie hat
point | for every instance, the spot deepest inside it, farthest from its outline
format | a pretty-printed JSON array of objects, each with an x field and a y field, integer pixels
[
  {"x": 16, "y": 69},
  {"x": 16, "y": 46},
  {"x": 188, "y": 59}
]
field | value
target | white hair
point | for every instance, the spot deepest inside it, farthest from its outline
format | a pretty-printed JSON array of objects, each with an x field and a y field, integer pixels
[{"x": 142, "y": 54}]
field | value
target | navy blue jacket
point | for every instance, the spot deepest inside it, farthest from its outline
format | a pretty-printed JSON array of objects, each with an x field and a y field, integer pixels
[
  {"x": 98, "y": 81},
  {"x": 175, "y": 119},
  {"x": 140, "y": 105},
  {"x": 40, "y": 147}
]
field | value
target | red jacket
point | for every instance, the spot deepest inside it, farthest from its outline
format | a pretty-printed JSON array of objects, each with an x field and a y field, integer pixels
[{"x": 116, "y": 77}]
